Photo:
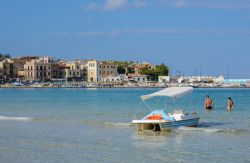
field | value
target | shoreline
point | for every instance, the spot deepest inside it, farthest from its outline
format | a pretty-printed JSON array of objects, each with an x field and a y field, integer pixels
[{"x": 130, "y": 87}]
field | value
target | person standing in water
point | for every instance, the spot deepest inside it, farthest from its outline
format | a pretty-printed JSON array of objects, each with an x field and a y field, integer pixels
[
  {"x": 230, "y": 103},
  {"x": 208, "y": 104}
]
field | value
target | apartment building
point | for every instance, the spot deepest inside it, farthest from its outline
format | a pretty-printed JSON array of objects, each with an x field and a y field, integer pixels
[
  {"x": 98, "y": 70},
  {"x": 7, "y": 70},
  {"x": 38, "y": 69},
  {"x": 72, "y": 70},
  {"x": 108, "y": 68}
]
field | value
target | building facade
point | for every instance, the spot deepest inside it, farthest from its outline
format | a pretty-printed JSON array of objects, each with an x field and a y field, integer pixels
[
  {"x": 137, "y": 78},
  {"x": 93, "y": 71},
  {"x": 38, "y": 69},
  {"x": 108, "y": 68},
  {"x": 7, "y": 70}
]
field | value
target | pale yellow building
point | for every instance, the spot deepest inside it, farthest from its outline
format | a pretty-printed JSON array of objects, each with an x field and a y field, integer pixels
[
  {"x": 93, "y": 67},
  {"x": 38, "y": 69},
  {"x": 73, "y": 70}
]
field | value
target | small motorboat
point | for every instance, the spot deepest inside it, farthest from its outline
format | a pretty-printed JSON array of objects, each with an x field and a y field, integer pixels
[{"x": 160, "y": 120}]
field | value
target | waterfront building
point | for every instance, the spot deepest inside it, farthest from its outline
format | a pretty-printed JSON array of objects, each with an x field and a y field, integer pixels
[
  {"x": 7, "y": 70},
  {"x": 19, "y": 67},
  {"x": 137, "y": 78},
  {"x": 163, "y": 79},
  {"x": 84, "y": 69},
  {"x": 96, "y": 71},
  {"x": 73, "y": 71},
  {"x": 115, "y": 78},
  {"x": 93, "y": 71},
  {"x": 38, "y": 69},
  {"x": 108, "y": 68},
  {"x": 55, "y": 70}
]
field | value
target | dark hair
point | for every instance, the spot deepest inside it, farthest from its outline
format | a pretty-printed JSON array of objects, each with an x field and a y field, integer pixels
[
  {"x": 207, "y": 96},
  {"x": 229, "y": 98}
]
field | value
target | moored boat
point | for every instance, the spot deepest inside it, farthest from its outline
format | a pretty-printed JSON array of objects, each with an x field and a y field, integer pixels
[{"x": 160, "y": 120}]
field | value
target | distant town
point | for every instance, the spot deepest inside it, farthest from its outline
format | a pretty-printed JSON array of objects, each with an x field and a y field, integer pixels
[{"x": 45, "y": 71}]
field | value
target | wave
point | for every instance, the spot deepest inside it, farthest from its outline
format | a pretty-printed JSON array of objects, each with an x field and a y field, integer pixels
[
  {"x": 8, "y": 118},
  {"x": 118, "y": 124},
  {"x": 210, "y": 130},
  {"x": 213, "y": 130},
  {"x": 105, "y": 123}
]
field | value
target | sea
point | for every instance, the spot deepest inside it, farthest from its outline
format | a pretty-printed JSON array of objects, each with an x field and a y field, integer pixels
[{"x": 94, "y": 125}]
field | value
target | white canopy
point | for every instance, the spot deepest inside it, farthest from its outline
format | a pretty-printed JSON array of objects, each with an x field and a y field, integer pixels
[{"x": 172, "y": 92}]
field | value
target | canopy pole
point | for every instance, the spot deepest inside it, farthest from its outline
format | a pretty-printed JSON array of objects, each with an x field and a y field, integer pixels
[
  {"x": 147, "y": 106},
  {"x": 166, "y": 105}
]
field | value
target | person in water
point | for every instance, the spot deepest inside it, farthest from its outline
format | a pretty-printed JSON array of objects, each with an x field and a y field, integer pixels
[
  {"x": 230, "y": 103},
  {"x": 208, "y": 104}
]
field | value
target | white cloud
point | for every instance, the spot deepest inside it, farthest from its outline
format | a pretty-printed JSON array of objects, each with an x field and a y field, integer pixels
[
  {"x": 139, "y": 3},
  {"x": 111, "y": 5},
  {"x": 114, "y": 4},
  {"x": 215, "y": 4},
  {"x": 156, "y": 31},
  {"x": 91, "y": 6}
]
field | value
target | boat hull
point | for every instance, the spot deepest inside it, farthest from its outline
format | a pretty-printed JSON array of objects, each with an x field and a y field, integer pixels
[
  {"x": 167, "y": 125},
  {"x": 181, "y": 123}
]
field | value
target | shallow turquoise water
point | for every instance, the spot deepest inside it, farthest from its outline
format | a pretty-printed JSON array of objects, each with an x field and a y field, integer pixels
[{"x": 93, "y": 125}]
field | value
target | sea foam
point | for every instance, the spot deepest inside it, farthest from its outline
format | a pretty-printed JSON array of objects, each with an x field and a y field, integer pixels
[{"x": 9, "y": 118}]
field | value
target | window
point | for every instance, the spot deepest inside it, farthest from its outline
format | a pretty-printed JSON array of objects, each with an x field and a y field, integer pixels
[
  {"x": 70, "y": 73},
  {"x": 77, "y": 67},
  {"x": 41, "y": 74},
  {"x": 41, "y": 67},
  {"x": 37, "y": 68},
  {"x": 31, "y": 68},
  {"x": 37, "y": 74},
  {"x": 77, "y": 73},
  {"x": 107, "y": 66},
  {"x": 49, "y": 67},
  {"x": 44, "y": 73},
  {"x": 44, "y": 67},
  {"x": 49, "y": 73},
  {"x": 28, "y": 68}
]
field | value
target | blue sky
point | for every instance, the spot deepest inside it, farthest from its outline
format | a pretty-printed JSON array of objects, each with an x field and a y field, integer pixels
[{"x": 187, "y": 35}]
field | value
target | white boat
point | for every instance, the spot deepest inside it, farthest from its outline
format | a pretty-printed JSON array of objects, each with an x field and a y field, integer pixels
[{"x": 160, "y": 120}]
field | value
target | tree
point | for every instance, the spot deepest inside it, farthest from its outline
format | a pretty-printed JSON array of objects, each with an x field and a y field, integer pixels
[
  {"x": 130, "y": 70},
  {"x": 4, "y": 56},
  {"x": 121, "y": 69},
  {"x": 7, "y": 56},
  {"x": 161, "y": 70}
]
